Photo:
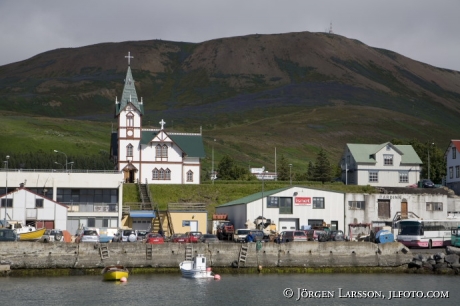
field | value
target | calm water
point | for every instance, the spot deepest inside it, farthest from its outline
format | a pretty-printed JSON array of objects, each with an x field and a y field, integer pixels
[{"x": 159, "y": 289}]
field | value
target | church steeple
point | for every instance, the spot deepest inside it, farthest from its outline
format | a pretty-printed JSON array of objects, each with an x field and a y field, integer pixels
[{"x": 129, "y": 92}]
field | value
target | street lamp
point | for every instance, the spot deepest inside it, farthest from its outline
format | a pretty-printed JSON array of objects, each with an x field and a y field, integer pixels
[
  {"x": 56, "y": 151},
  {"x": 429, "y": 147},
  {"x": 6, "y": 187},
  {"x": 290, "y": 176},
  {"x": 263, "y": 180},
  {"x": 212, "y": 169}
]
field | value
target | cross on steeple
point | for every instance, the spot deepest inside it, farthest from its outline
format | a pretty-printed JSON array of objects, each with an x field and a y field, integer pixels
[
  {"x": 162, "y": 123},
  {"x": 129, "y": 57}
]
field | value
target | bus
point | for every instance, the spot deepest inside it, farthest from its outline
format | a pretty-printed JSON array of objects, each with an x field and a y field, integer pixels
[
  {"x": 426, "y": 233},
  {"x": 455, "y": 237}
]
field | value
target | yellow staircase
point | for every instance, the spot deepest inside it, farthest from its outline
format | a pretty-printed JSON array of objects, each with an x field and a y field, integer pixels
[{"x": 163, "y": 221}]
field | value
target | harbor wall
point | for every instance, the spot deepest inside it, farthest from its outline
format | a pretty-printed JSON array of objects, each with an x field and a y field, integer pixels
[{"x": 34, "y": 255}]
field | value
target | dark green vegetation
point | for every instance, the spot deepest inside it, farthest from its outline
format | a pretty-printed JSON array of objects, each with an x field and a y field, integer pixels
[{"x": 292, "y": 93}]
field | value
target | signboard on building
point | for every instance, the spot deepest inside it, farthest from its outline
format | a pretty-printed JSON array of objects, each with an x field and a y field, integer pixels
[{"x": 302, "y": 200}]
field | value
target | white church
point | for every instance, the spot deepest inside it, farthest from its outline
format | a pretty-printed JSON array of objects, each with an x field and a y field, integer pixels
[{"x": 152, "y": 156}]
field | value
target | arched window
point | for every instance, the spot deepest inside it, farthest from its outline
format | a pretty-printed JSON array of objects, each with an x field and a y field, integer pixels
[
  {"x": 158, "y": 151},
  {"x": 189, "y": 176},
  {"x": 162, "y": 174},
  {"x": 129, "y": 150},
  {"x": 168, "y": 174},
  {"x": 130, "y": 120},
  {"x": 164, "y": 151},
  {"x": 155, "y": 174}
]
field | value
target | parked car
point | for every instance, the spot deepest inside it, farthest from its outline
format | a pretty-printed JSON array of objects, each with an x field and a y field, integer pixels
[
  {"x": 141, "y": 235},
  {"x": 52, "y": 235},
  {"x": 153, "y": 238},
  {"x": 194, "y": 237},
  {"x": 289, "y": 236},
  {"x": 336, "y": 235},
  {"x": 209, "y": 238},
  {"x": 426, "y": 183},
  {"x": 106, "y": 234},
  {"x": 240, "y": 234},
  {"x": 179, "y": 238},
  {"x": 90, "y": 235},
  {"x": 8, "y": 235},
  {"x": 314, "y": 234},
  {"x": 125, "y": 235}
]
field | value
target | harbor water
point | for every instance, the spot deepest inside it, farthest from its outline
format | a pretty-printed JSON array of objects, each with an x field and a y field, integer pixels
[{"x": 242, "y": 289}]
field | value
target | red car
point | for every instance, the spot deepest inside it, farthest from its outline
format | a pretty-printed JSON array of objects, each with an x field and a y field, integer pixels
[
  {"x": 194, "y": 236},
  {"x": 154, "y": 238},
  {"x": 180, "y": 238}
]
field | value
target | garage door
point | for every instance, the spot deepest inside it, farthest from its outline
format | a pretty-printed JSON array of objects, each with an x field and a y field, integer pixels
[{"x": 288, "y": 224}]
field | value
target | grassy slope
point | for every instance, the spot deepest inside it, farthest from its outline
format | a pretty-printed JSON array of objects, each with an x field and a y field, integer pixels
[{"x": 221, "y": 192}]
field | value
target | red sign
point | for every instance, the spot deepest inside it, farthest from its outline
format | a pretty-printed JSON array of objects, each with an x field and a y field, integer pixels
[{"x": 302, "y": 201}]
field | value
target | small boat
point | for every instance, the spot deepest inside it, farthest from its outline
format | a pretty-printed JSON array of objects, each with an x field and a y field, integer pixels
[
  {"x": 115, "y": 273},
  {"x": 32, "y": 234},
  {"x": 196, "y": 268}
]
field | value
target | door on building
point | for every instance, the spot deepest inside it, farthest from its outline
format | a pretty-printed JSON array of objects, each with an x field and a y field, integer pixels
[
  {"x": 384, "y": 209},
  {"x": 404, "y": 209},
  {"x": 194, "y": 226},
  {"x": 288, "y": 224},
  {"x": 334, "y": 225}
]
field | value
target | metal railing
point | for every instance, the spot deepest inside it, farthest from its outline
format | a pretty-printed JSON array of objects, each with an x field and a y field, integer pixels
[{"x": 187, "y": 207}]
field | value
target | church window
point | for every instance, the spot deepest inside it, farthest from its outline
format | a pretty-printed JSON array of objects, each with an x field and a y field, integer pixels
[
  {"x": 162, "y": 174},
  {"x": 129, "y": 150},
  {"x": 189, "y": 176},
  {"x": 130, "y": 119},
  {"x": 164, "y": 151},
  {"x": 155, "y": 174},
  {"x": 158, "y": 151},
  {"x": 161, "y": 151},
  {"x": 168, "y": 174}
]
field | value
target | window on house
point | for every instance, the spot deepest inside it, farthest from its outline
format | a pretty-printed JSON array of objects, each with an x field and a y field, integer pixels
[
  {"x": 457, "y": 171},
  {"x": 155, "y": 174},
  {"x": 158, "y": 151},
  {"x": 130, "y": 120},
  {"x": 454, "y": 152},
  {"x": 161, "y": 174},
  {"x": 451, "y": 172},
  {"x": 354, "y": 205},
  {"x": 403, "y": 177},
  {"x": 91, "y": 222},
  {"x": 164, "y": 151},
  {"x": 373, "y": 176},
  {"x": 432, "y": 206},
  {"x": 189, "y": 176},
  {"x": 318, "y": 203},
  {"x": 129, "y": 150},
  {"x": 9, "y": 203},
  {"x": 388, "y": 159},
  {"x": 168, "y": 174},
  {"x": 38, "y": 203},
  {"x": 285, "y": 205}
]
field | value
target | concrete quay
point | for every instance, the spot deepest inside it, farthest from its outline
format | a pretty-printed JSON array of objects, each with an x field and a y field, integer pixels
[{"x": 59, "y": 255}]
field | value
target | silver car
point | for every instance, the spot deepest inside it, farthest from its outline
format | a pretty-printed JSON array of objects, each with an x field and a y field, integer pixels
[{"x": 90, "y": 235}]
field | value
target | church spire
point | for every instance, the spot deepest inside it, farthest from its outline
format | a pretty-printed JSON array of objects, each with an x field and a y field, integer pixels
[{"x": 129, "y": 91}]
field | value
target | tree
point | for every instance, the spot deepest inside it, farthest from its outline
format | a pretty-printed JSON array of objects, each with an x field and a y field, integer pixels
[
  {"x": 283, "y": 169},
  {"x": 310, "y": 171},
  {"x": 322, "y": 168},
  {"x": 228, "y": 170}
]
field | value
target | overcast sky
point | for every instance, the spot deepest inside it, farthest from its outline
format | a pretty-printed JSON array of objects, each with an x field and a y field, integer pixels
[{"x": 424, "y": 30}]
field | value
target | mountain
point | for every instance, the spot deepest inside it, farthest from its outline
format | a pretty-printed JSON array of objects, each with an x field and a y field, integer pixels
[{"x": 294, "y": 91}]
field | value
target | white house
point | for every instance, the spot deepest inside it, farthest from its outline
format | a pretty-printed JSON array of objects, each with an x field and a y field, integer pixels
[
  {"x": 383, "y": 209},
  {"x": 31, "y": 208},
  {"x": 288, "y": 208},
  {"x": 92, "y": 198},
  {"x": 384, "y": 164},
  {"x": 453, "y": 166},
  {"x": 153, "y": 156}
]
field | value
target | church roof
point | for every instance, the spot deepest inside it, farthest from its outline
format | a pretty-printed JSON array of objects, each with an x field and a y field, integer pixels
[
  {"x": 191, "y": 144},
  {"x": 129, "y": 95}
]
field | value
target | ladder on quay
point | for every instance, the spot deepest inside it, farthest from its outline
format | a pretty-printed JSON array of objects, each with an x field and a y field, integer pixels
[
  {"x": 243, "y": 254},
  {"x": 188, "y": 252}
]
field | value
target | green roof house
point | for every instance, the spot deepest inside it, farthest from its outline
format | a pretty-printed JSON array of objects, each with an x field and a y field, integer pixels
[{"x": 385, "y": 165}]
